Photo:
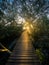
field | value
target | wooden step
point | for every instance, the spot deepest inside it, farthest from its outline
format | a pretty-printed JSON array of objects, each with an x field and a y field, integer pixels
[{"x": 23, "y": 61}]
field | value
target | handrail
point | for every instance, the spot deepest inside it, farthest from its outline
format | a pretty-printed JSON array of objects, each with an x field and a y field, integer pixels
[{"x": 4, "y": 48}]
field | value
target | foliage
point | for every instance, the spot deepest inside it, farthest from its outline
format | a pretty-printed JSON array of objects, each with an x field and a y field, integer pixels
[
  {"x": 9, "y": 33},
  {"x": 25, "y": 8},
  {"x": 28, "y": 9},
  {"x": 40, "y": 54},
  {"x": 41, "y": 38}
]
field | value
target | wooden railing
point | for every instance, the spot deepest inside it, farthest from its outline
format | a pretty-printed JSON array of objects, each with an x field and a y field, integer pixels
[{"x": 4, "y": 48}]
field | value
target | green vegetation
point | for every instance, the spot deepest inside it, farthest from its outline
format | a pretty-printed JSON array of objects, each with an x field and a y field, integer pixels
[
  {"x": 10, "y": 10},
  {"x": 41, "y": 39},
  {"x": 9, "y": 33},
  {"x": 40, "y": 54}
]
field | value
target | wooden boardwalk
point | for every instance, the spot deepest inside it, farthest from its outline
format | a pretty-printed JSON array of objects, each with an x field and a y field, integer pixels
[{"x": 24, "y": 52}]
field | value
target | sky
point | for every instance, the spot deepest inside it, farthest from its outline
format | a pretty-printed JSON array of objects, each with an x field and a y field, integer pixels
[{"x": 17, "y": 6}]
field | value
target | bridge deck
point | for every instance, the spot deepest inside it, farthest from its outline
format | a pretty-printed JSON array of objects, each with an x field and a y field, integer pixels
[{"x": 24, "y": 52}]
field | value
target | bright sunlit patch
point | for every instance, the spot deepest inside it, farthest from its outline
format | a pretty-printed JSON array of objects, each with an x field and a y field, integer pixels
[
  {"x": 31, "y": 26},
  {"x": 25, "y": 40},
  {"x": 20, "y": 20},
  {"x": 28, "y": 27},
  {"x": 25, "y": 26},
  {"x": 3, "y": 50}
]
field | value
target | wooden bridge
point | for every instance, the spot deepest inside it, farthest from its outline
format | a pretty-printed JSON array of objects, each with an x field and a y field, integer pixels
[{"x": 24, "y": 52}]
